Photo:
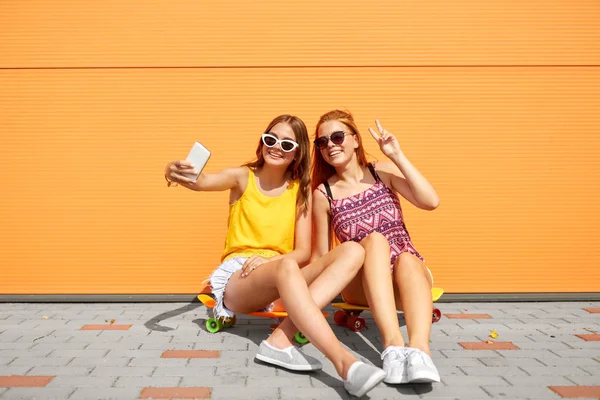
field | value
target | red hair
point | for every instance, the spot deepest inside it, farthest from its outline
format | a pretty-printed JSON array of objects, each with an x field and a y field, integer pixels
[{"x": 321, "y": 170}]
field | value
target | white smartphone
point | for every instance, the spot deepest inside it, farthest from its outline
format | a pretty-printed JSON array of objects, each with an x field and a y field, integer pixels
[{"x": 198, "y": 156}]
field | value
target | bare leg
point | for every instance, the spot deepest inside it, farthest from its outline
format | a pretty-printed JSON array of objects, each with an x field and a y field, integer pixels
[
  {"x": 326, "y": 278},
  {"x": 283, "y": 278},
  {"x": 414, "y": 289},
  {"x": 376, "y": 289}
]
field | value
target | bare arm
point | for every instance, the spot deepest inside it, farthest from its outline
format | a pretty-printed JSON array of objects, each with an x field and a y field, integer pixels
[
  {"x": 410, "y": 183},
  {"x": 226, "y": 179},
  {"x": 403, "y": 176},
  {"x": 321, "y": 226}
]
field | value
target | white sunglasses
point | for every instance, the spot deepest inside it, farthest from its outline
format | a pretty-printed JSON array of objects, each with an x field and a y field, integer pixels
[{"x": 286, "y": 145}]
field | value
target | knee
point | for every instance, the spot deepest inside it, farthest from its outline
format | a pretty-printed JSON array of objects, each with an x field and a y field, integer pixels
[
  {"x": 287, "y": 267},
  {"x": 375, "y": 241},
  {"x": 406, "y": 263},
  {"x": 354, "y": 253}
]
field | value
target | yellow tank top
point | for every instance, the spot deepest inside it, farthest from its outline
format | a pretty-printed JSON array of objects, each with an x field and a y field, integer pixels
[{"x": 259, "y": 224}]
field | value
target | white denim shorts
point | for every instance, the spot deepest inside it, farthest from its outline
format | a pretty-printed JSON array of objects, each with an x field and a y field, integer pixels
[{"x": 218, "y": 281}]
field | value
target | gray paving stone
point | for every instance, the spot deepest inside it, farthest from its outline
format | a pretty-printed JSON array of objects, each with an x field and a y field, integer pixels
[
  {"x": 556, "y": 371},
  {"x": 21, "y": 393},
  {"x": 63, "y": 381},
  {"x": 221, "y": 362},
  {"x": 314, "y": 394},
  {"x": 457, "y": 354},
  {"x": 577, "y": 361},
  {"x": 578, "y": 353},
  {"x": 528, "y": 392},
  {"x": 450, "y": 371},
  {"x": 114, "y": 347},
  {"x": 493, "y": 371},
  {"x": 60, "y": 353},
  {"x": 461, "y": 392},
  {"x": 585, "y": 380},
  {"x": 59, "y": 346},
  {"x": 253, "y": 370},
  {"x": 14, "y": 346},
  {"x": 213, "y": 381},
  {"x": 105, "y": 393},
  {"x": 184, "y": 371},
  {"x": 6, "y": 360},
  {"x": 300, "y": 381},
  {"x": 37, "y": 353},
  {"x": 122, "y": 371},
  {"x": 145, "y": 381},
  {"x": 15, "y": 370},
  {"x": 509, "y": 362},
  {"x": 157, "y": 362},
  {"x": 458, "y": 362},
  {"x": 234, "y": 393},
  {"x": 539, "y": 381},
  {"x": 99, "y": 362},
  {"x": 58, "y": 371},
  {"x": 40, "y": 362},
  {"x": 593, "y": 370},
  {"x": 479, "y": 380},
  {"x": 531, "y": 345}
]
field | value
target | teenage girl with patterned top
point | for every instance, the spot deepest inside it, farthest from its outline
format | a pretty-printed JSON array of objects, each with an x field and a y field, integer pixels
[
  {"x": 268, "y": 238},
  {"x": 358, "y": 201}
]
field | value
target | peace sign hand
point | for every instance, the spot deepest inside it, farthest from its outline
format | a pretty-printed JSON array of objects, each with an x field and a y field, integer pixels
[{"x": 388, "y": 144}]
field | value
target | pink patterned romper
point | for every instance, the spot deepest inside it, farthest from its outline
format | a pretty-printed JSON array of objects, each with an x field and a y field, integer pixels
[{"x": 376, "y": 209}]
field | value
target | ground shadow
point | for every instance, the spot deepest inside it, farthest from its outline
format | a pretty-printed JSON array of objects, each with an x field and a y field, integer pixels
[{"x": 154, "y": 323}]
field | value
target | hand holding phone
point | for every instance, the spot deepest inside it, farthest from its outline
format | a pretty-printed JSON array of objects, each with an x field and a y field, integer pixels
[{"x": 198, "y": 156}]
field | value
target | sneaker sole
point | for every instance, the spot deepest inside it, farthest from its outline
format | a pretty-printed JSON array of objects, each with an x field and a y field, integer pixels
[
  {"x": 285, "y": 365},
  {"x": 403, "y": 379},
  {"x": 424, "y": 377},
  {"x": 370, "y": 384}
]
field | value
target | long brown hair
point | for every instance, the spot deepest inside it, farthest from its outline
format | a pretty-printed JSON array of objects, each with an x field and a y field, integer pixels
[
  {"x": 300, "y": 167},
  {"x": 321, "y": 170}
]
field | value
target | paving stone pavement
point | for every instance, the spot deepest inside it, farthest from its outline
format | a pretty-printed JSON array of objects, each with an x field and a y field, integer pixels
[{"x": 122, "y": 351}]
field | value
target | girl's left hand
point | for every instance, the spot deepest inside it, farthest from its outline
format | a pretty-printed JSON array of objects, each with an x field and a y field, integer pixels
[
  {"x": 251, "y": 264},
  {"x": 387, "y": 142}
]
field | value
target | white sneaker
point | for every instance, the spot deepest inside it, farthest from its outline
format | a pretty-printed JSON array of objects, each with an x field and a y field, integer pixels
[
  {"x": 420, "y": 367},
  {"x": 290, "y": 358},
  {"x": 362, "y": 377},
  {"x": 394, "y": 364}
]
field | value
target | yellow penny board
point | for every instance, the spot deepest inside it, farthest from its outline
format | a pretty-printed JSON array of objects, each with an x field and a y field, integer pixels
[
  {"x": 436, "y": 293},
  {"x": 209, "y": 302}
]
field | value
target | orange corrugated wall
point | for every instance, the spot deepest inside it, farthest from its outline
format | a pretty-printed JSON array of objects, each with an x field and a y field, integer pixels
[{"x": 497, "y": 103}]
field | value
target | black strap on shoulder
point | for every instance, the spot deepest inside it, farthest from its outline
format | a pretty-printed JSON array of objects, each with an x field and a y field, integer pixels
[
  {"x": 328, "y": 190},
  {"x": 372, "y": 169}
]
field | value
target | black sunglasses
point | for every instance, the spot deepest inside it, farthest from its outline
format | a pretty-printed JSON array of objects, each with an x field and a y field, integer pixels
[{"x": 336, "y": 138}]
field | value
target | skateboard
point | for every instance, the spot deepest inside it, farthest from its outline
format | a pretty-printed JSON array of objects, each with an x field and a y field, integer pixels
[
  {"x": 214, "y": 325},
  {"x": 349, "y": 315}
]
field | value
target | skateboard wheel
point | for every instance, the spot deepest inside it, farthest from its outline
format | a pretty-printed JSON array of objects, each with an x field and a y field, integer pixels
[
  {"x": 356, "y": 324},
  {"x": 229, "y": 322},
  {"x": 340, "y": 318},
  {"x": 300, "y": 338},
  {"x": 437, "y": 315},
  {"x": 213, "y": 325}
]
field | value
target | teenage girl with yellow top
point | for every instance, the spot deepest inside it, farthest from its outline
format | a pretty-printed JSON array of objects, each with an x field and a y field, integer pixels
[{"x": 268, "y": 238}]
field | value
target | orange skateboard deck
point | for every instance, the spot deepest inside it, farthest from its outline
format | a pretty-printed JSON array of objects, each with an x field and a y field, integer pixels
[{"x": 349, "y": 314}]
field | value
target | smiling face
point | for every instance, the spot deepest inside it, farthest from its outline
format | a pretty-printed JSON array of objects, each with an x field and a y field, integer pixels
[
  {"x": 275, "y": 156},
  {"x": 337, "y": 154}
]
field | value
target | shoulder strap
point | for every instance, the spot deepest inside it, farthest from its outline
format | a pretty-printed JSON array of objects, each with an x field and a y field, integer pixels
[
  {"x": 373, "y": 172},
  {"x": 328, "y": 190}
]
